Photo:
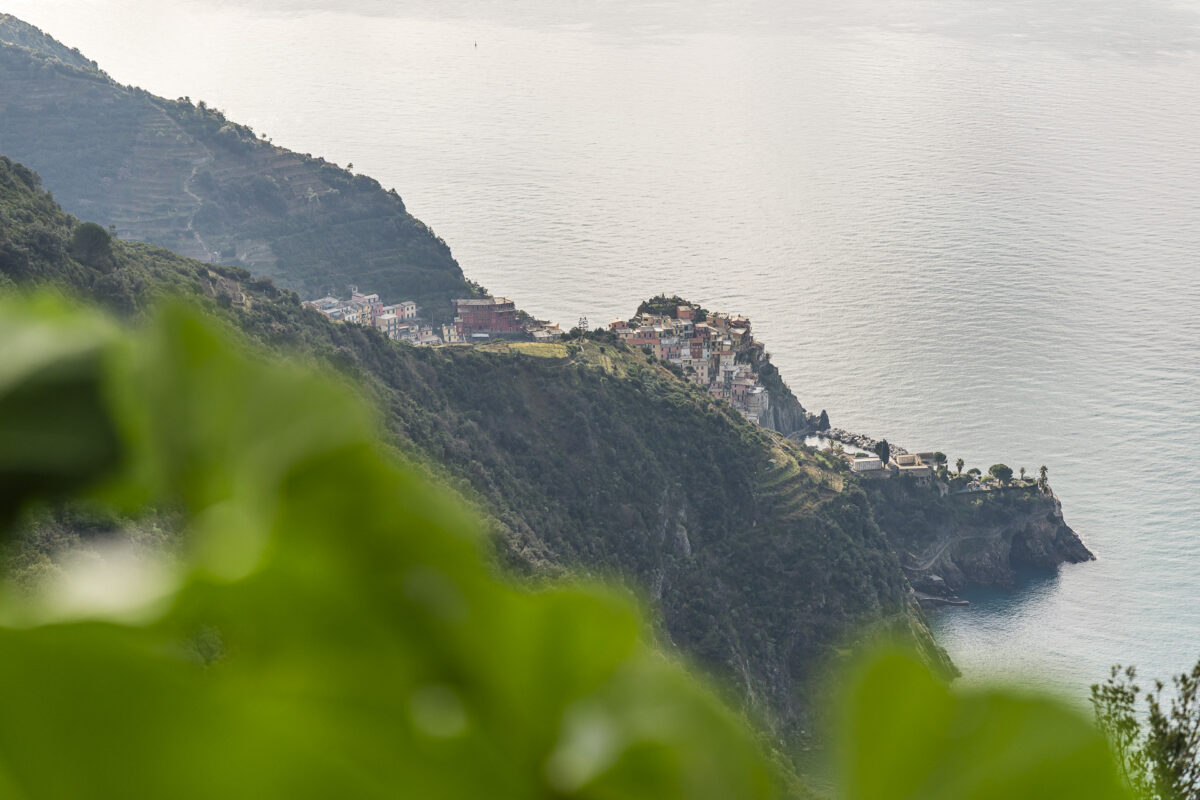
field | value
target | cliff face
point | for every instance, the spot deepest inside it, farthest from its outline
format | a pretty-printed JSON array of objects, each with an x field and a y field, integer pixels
[
  {"x": 981, "y": 539},
  {"x": 182, "y": 176},
  {"x": 786, "y": 415}
]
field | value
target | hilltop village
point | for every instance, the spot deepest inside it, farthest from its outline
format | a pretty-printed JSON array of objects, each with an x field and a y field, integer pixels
[{"x": 714, "y": 350}]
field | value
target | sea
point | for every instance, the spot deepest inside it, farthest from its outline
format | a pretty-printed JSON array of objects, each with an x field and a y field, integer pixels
[{"x": 960, "y": 225}]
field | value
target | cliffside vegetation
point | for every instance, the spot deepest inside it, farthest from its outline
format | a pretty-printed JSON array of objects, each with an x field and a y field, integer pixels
[
  {"x": 181, "y": 175},
  {"x": 760, "y": 557},
  {"x": 300, "y": 647},
  {"x": 949, "y": 542}
]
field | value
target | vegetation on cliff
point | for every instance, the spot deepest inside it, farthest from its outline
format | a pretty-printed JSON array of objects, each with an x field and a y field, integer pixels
[
  {"x": 952, "y": 541},
  {"x": 329, "y": 628},
  {"x": 760, "y": 557},
  {"x": 179, "y": 174},
  {"x": 285, "y": 652}
]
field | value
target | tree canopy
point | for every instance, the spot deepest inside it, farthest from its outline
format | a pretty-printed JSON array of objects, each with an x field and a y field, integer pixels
[{"x": 1001, "y": 472}]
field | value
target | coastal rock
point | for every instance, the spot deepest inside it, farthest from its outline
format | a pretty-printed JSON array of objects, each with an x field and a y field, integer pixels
[
  {"x": 859, "y": 440},
  {"x": 950, "y": 543}
]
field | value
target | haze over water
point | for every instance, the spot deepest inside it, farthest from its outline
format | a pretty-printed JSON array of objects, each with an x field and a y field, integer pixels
[{"x": 962, "y": 227}]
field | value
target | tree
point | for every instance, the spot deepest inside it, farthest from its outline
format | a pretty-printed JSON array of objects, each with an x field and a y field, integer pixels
[
  {"x": 939, "y": 458},
  {"x": 959, "y": 464},
  {"x": 92, "y": 245},
  {"x": 974, "y": 472},
  {"x": 1042, "y": 472},
  {"x": 1158, "y": 750},
  {"x": 1022, "y": 474},
  {"x": 883, "y": 450},
  {"x": 1001, "y": 472}
]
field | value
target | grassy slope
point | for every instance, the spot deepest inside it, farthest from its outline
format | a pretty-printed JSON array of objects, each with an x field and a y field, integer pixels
[
  {"x": 182, "y": 176},
  {"x": 759, "y": 556}
]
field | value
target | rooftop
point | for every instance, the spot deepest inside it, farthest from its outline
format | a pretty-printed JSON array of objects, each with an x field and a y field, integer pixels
[{"x": 482, "y": 301}]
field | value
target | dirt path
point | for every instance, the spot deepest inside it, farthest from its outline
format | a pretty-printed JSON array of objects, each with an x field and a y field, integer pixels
[
  {"x": 209, "y": 254},
  {"x": 942, "y": 547}
]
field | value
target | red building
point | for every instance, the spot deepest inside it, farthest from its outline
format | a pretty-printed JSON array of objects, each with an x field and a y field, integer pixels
[{"x": 485, "y": 315}]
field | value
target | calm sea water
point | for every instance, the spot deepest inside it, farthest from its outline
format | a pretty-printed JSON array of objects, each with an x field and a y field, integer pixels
[{"x": 964, "y": 226}]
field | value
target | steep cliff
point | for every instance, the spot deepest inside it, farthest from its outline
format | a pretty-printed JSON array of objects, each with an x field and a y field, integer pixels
[
  {"x": 786, "y": 415},
  {"x": 947, "y": 543}
]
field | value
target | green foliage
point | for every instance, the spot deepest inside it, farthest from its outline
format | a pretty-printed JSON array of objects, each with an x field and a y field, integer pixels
[
  {"x": 333, "y": 629},
  {"x": 590, "y": 461},
  {"x": 1158, "y": 749},
  {"x": 54, "y": 432},
  {"x": 1001, "y": 472},
  {"x": 668, "y": 307},
  {"x": 906, "y": 735},
  {"x": 883, "y": 450},
  {"x": 92, "y": 245},
  {"x": 914, "y": 517}
]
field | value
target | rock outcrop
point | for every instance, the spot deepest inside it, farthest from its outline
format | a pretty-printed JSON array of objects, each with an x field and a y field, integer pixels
[{"x": 988, "y": 546}]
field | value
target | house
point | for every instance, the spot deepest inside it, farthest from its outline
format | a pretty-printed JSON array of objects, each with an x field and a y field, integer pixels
[
  {"x": 389, "y": 325},
  {"x": 485, "y": 315},
  {"x": 866, "y": 464},
  {"x": 920, "y": 473}
]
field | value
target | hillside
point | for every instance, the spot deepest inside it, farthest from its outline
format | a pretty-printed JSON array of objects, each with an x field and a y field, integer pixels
[
  {"x": 760, "y": 557},
  {"x": 182, "y": 176}
]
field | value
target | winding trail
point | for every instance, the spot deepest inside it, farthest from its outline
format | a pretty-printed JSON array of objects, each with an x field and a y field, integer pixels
[
  {"x": 209, "y": 254},
  {"x": 945, "y": 544}
]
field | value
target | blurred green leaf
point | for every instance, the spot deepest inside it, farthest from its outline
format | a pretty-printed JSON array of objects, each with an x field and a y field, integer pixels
[
  {"x": 337, "y": 631},
  {"x": 907, "y": 735},
  {"x": 56, "y": 432}
]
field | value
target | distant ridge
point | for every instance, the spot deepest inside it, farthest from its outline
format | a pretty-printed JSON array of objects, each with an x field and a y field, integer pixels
[
  {"x": 181, "y": 175},
  {"x": 20, "y": 33}
]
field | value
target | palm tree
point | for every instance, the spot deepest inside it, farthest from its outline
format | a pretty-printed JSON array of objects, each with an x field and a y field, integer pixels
[
  {"x": 1043, "y": 472},
  {"x": 1022, "y": 474},
  {"x": 959, "y": 464}
]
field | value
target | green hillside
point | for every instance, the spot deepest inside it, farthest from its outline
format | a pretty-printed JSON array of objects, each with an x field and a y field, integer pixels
[
  {"x": 761, "y": 558},
  {"x": 182, "y": 176}
]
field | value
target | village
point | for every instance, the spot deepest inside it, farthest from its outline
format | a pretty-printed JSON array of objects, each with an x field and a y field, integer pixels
[
  {"x": 713, "y": 350},
  {"x": 716, "y": 351},
  {"x": 476, "y": 319}
]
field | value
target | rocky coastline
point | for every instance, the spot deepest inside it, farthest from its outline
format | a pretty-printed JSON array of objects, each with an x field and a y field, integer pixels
[
  {"x": 993, "y": 551},
  {"x": 857, "y": 440},
  {"x": 956, "y": 546}
]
